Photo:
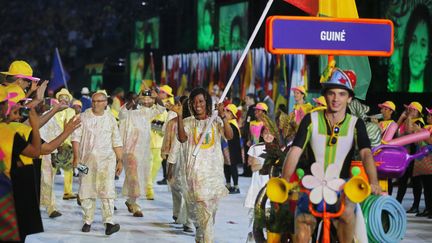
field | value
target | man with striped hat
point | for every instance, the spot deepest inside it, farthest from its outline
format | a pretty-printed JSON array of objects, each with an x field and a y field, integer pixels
[{"x": 331, "y": 136}]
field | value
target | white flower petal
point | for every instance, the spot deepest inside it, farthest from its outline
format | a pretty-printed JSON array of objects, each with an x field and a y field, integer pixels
[
  {"x": 316, "y": 195},
  {"x": 317, "y": 170},
  {"x": 310, "y": 182},
  {"x": 330, "y": 196},
  {"x": 336, "y": 184},
  {"x": 332, "y": 171}
]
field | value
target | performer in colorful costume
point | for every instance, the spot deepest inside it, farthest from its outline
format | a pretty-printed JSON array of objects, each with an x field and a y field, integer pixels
[
  {"x": 300, "y": 109},
  {"x": 423, "y": 169},
  {"x": 232, "y": 151},
  {"x": 387, "y": 109},
  {"x": 159, "y": 124},
  {"x": 22, "y": 209},
  {"x": 62, "y": 158},
  {"x": 255, "y": 126},
  {"x": 332, "y": 136},
  {"x": 410, "y": 121}
]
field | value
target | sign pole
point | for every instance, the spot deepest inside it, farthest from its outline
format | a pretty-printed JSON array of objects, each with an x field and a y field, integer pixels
[{"x": 234, "y": 74}]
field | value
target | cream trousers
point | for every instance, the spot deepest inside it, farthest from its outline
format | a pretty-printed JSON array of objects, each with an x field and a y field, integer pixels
[{"x": 89, "y": 206}]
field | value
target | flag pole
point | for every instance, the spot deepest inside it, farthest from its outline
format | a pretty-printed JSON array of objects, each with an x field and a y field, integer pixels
[
  {"x": 234, "y": 74},
  {"x": 61, "y": 68},
  {"x": 152, "y": 69}
]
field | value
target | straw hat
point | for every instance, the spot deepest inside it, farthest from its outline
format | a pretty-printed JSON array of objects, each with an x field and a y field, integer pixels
[{"x": 64, "y": 92}]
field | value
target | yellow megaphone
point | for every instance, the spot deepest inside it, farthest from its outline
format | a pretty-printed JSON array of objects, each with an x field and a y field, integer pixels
[
  {"x": 357, "y": 189},
  {"x": 277, "y": 190}
]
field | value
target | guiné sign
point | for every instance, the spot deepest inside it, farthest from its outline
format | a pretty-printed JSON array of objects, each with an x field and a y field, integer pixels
[{"x": 331, "y": 36}]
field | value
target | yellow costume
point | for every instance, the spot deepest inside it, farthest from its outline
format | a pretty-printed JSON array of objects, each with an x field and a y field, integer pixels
[{"x": 156, "y": 139}]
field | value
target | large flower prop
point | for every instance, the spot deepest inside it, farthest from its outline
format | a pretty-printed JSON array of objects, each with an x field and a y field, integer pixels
[{"x": 323, "y": 185}]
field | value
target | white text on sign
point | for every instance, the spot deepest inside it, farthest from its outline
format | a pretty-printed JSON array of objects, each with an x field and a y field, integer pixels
[{"x": 332, "y": 35}]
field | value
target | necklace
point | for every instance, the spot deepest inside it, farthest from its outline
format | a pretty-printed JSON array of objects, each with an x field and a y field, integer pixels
[{"x": 331, "y": 122}]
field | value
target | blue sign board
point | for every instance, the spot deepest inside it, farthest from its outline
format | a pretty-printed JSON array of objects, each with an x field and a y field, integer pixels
[{"x": 332, "y": 36}]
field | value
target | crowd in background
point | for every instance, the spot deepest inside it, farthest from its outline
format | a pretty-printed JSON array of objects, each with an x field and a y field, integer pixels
[
  {"x": 74, "y": 27},
  {"x": 154, "y": 129}
]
